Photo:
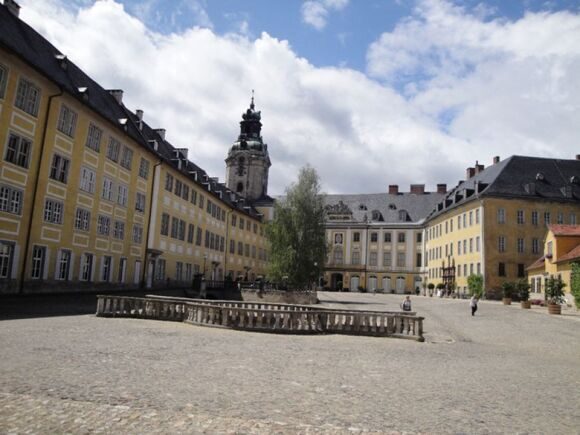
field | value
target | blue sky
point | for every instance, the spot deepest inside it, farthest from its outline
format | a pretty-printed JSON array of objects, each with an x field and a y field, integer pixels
[{"x": 368, "y": 92}]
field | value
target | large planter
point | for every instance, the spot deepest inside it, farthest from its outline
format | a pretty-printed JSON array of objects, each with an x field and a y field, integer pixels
[
  {"x": 507, "y": 301},
  {"x": 554, "y": 308},
  {"x": 526, "y": 304}
]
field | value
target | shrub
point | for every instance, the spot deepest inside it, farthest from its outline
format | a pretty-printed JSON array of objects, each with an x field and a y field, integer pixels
[
  {"x": 523, "y": 289},
  {"x": 508, "y": 289},
  {"x": 475, "y": 285},
  {"x": 555, "y": 291}
]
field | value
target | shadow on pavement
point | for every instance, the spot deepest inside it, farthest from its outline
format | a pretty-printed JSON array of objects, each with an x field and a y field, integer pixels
[{"x": 63, "y": 304}]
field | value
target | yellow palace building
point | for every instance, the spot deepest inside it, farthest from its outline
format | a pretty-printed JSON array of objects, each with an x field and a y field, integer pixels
[{"x": 92, "y": 197}]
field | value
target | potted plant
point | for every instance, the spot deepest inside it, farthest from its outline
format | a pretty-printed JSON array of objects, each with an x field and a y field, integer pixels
[
  {"x": 523, "y": 288},
  {"x": 508, "y": 289},
  {"x": 430, "y": 286},
  {"x": 555, "y": 295}
]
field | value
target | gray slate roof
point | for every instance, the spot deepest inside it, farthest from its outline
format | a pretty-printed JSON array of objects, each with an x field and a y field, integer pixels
[{"x": 521, "y": 177}]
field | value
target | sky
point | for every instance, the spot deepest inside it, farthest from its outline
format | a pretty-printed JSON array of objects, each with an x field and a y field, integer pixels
[{"x": 368, "y": 92}]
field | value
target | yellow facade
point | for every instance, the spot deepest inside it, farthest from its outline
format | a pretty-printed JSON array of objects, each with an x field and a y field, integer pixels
[{"x": 82, "y": 201}]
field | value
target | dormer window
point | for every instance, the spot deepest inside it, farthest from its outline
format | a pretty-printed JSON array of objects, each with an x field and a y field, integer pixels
[
  {"x": 362, "y": 207},
  {"x": 539, "y": 176},
  {"x": 377, "y": 216},
  {"x": 392, "y": 206},
  {"x": 403, "y": 215}
]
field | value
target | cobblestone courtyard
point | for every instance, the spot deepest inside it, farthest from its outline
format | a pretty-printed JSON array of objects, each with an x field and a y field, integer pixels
[{"x": 506, "y": 370}]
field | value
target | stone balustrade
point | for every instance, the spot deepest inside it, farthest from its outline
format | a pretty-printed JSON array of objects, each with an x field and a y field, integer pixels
[{"x": 264, "y": 317}]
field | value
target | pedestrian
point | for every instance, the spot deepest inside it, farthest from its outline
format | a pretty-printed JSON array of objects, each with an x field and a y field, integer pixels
[
  {"x": 406, "y": 304},
  {"x": 473, "y": 304}
]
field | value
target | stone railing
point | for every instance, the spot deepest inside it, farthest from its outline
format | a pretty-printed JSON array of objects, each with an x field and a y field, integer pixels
[{"x": 264, "y": 317}]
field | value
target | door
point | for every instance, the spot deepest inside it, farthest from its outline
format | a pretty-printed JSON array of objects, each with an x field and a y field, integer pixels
[
  {"x": 387, "y": 284},
  {"x": 354, "y": 283},
  {"x": 372, "y": 283},
  {"x": 137, "y": 274}
]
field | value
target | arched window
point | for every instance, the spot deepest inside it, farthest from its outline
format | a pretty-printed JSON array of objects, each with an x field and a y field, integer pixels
[{"x": 240, "y": 187}]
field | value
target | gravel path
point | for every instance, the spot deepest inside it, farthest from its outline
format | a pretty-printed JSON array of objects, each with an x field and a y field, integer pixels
[{"x": 506, "y": 370}]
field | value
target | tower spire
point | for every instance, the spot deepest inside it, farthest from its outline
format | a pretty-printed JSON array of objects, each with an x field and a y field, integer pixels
[{"x": 252, "y": 103}]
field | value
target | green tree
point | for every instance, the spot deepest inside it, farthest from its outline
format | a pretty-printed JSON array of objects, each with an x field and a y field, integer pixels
[
  {"x": 297, "y": 234},
  {"x": 575, "y": 283},
  {"x": 475, "y": 285}
]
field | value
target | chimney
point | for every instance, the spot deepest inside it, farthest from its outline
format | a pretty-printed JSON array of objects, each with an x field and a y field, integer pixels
[
  {"x": 419, "y": 189},
  {"x": 181, "y": 153},
  {"x": 496, "y": 159},
  {"x": 160, "y": 132},
  {"x": 13, "y": 7},
  {"x": 442, "y": 188},
  {"x": 117, "y": 94},
  {"x": 577, "y": 156},
  {"x": 478, "y": 168},
  {"x": 469, "y": 172},
  {"x": 393, "y": 189}
]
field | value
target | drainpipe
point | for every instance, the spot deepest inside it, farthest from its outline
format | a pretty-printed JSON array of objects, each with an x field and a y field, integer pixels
[
  {"x": 35, "y": 190},
  {"x": 145, "y": 262}
]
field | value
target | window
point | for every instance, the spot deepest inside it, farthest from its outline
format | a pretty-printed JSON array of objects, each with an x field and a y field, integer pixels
[
  {"x": 451, "y": 221},
  {"x": 140, "y": 202},
  {"x": 27, "y": 97},
  {"x": 470, "y": 246},
  {"x": 520, "y": 245},
  {"x": 355, "y": 258},
  {"x": 178, "y": 270},
  {"x": 479, "y": 268},
  {"x": 67, "y": 121},
  {"x": 103, "y": 225},
  {"x": 94, "y": 136},
  {"x": 373, "y": 258},
  {"x": 419, "y": 237},
  {"x": 400, "y": 259},
  {"x": 521, "y": 270},
  {"x": 401, "y": 237},
  {"x": 465, "y": 270},
  {"x": 144, "y": 168},
  {"x": 477, "y": 244},
  {"x": 418, "y": 260},
  {"x": 458, "y": 222},
  {"x": 193, "y": 196},
  {"x": 253, "y": 251},
  {"x": 169, "y": 182},
  {"x": 471, "y": 268},
  {"x": 374, "y": 237},
  {"x": 501, "y": 244},
  {"x": 240, "y": 248},
  {"x": 501, "y": 269},
  {"x": 137, "y": 234},
  {"x": 547, "y": 218},
  {"x": 185, "y": 193},
  {"x": 572, "y": 219},
  {"x": 470, "y": 218},
  {"x": 535, "y": 246},
  {"x": 6, "y": 258},
  {"x": 247, "y": 250},
  {"x": 122, "y": 194},
  {"x": 198, "y": 236},
  {"x": 387, "y": 237},
  {"x": 18, "y": 150},
  {"x": 64, "y": 261},
  {"x": 534, "y": 218},
  {"x": 234, "y": 220},
  {"x": 86, "y": 267},
  {"x": 107, "y": 268},
  {"x": 201, "y": 201},
  {"x": 465, "y": 246},
  {"x": 174, "y": 227},
  {"x": 107, "y": 192},
  {"x": 38, "y": 258},
  {"x": 476, "y": 218},
  {"x": 82, "y": 219},
  {"x": 126, "y": 157},
  {"x": 88, "y": 180},
  {"x": 501, "y": 216},
  {"x": 160, "y": 270},
  {"x": 181, "y": 231},
  {"x": 59, "y": 168},
  {"x": 560, "y": 218},
  {"x": 179, "y": 188},
  {"x": 53, "y": 211},
  {"x": 550, "y": 249},
  {"x": 188, "y": 272},
  {"x": 3, "y": 80},
  {"x": 464, "y": 220},
  {"x": 520, "y": 217},
  {"x": 119, "y": 230},
  {"x": 356, "y": 237},
  {"x": 337, "y": 256},
  {"x": 113, "y": 149},
  {"x": 232, "y": 246},
  {"x": 387, "y": 259},
  {"x": 242, "y": 224},
  {"x": 10, "y": 199},
  {"x": 190, "y": 233}
]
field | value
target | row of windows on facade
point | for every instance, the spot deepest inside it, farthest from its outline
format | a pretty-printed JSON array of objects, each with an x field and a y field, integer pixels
[
  {"x": 374, "y": 237},
  {"x": 539, "y": 283},
  {"x": 246, "y": 250},
  {"x": 521, "y": 217},
  {"x": 355, "y": 258},
  {"x": 463, "y": 247},
  {"x": 183, "y": 271},
  {"x": 64, "y": 264},
  {"x": 464, "y": 220},
  {"x": 471, "y": 269}
]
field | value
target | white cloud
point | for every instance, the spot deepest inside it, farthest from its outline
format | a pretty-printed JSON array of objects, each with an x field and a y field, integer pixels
[
  {"x": 315, "y": 12},
  {"x": 500, "y": 95}
]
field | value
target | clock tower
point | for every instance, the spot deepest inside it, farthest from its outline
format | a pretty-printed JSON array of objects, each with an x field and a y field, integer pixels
[{"x": 248, "y": 162}]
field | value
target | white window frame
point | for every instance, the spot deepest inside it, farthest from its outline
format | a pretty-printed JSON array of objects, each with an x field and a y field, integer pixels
[
  {"x": 64, "y": 265},
  {"x": 113, "y": 149},
  {"x": 59, "y": 168},
  {"x": 53, "y": 211},
  {"x": 126, "y": 157},
  {"x": 11, "y": 199},
  {"x": 86, "y": 267},
  {"x": 6, "y": 259},
  {"x": 18, "y": 150},
  {"x": 38, "y": 262},
  {"x": 94, "y": 136},
  {"x": 82, "y": 219},
  {"x": 67, "y": 120},
  {"x": 27, "y": 96},
  {"x": 118, "y": 230},
  {"x": 122, "y": 195},
  {"x": 108, "y": 189},
  {"x": 144, "y": 168},
  {"x": 88, "y": 179},
  {"x": 103, "y": 225}
]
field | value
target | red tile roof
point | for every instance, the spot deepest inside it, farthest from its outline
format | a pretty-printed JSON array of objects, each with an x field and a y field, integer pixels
[
  {"x": 565, "y": 230},
  {"x": 539, "y": 263},
  {"x": 574, "y": 253}
]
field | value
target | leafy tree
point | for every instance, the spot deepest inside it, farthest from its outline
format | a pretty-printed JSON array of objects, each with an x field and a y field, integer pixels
[
  {"x": 297, "y": 234},
  {"x": 475, "y": 285},
  {"x": 575, "y": 283},
  {"x": 523, "y": 289}
]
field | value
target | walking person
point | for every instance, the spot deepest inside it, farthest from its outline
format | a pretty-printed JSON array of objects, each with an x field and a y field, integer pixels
[
  {"x": 473, "y": 304},
  {"x": 406, "y": 304}
]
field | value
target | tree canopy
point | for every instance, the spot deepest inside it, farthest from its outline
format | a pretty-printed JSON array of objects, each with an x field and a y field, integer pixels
[{"x": 296, "y": 234}]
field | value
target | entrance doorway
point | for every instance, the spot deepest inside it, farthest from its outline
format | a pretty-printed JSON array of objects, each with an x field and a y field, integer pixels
[{"x": 336, "y": 281}]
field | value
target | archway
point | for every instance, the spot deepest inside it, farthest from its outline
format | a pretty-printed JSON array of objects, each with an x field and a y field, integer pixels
[{"x": 336, "y": 281}]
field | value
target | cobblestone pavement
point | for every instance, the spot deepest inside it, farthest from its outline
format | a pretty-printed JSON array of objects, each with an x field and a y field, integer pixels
[{"x": 506, "y": 370}]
